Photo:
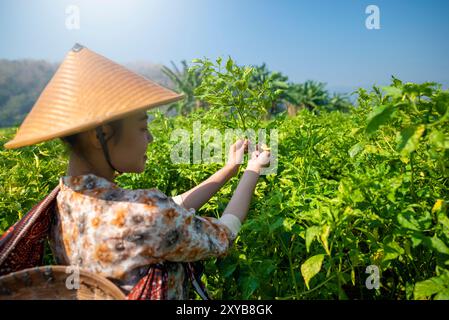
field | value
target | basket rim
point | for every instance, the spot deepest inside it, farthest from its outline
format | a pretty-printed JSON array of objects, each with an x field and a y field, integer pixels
[{"x": 102, "y": 281}]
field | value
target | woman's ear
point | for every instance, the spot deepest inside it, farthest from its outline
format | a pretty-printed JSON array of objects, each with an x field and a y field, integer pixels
[{"x": 94, "y": 140}]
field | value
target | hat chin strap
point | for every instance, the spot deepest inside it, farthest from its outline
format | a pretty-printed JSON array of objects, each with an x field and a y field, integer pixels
[{"x": 104, "y": 146}]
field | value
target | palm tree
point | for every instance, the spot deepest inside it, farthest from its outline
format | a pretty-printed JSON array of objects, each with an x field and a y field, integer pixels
[
  {"x": 339, "y": 102},
  {"x": 309, "y": 94},
  {"x": 313, "y": 94},
  {"x": 185, "y": 81},
  {"x": 278, "y": 82}
]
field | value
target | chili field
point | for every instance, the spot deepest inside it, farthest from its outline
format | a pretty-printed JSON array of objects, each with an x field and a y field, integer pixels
[{"x": 357, "y": 209}]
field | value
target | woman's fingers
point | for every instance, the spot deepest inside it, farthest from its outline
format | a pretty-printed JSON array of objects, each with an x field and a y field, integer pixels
[
  {"x": 264, "y": 158},
  {"x": 261, "y": 153},
  {"x": 237, "y": 145},
  {"x": 241, "y": 143},
  {"x": 255, "y": 154},
  {"x": 237, "y": 151}
]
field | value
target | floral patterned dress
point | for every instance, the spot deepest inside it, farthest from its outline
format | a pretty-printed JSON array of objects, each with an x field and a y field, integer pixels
[{"x": 118, "y": 232}]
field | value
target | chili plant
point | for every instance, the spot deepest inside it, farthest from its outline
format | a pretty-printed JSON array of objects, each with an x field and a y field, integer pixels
[{"x": 231, "y": 98}]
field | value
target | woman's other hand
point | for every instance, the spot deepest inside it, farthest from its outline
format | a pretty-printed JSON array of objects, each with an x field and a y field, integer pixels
[{"x": 259, "y": 158}]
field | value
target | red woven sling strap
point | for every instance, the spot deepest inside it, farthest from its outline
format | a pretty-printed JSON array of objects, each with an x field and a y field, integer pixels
[
  {"x": 154, "y": 285},
  {"x": 22, "y": 247}
]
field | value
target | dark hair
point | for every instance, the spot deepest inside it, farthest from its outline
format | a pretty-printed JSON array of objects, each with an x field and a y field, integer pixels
[{"x": 72, "y": 144}]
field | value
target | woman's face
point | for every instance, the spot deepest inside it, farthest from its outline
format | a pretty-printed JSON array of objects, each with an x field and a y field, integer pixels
[{"x": 129, "y": 154}]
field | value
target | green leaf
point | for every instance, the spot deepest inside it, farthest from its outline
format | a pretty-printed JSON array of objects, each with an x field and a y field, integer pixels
[
  {"x": 311, "y": 267},
  {"x": 355, "y": 149},
  {"x": 353, "y": 277},
  {"x": 406, "y": 223},
  {"x": 426, "y": 289},
  {"x": 443, "y": 220},
  {"x": 438, "y": 245},
  {"x": 442, "y": 295},
  {"x": 392, "y": 250},
  {"x": 396, "y": 82},
  {"x": 311, "y": 234},
  {"x": 265, "y": 268},
  {"x": 439, "y": 139},
  {"x": 288, "y": 223},
  {"x": 416, "y": 240},
  {"x": 241, "y": 85},
  {"x": 393, "y": 91},
  {"x": 280, "y": 84},
  {"x": 228, "y": 269},
  {"x": 247, "y": 72},
  {"x": 378, "y": 117},
  {"x": 410, "y": 138},
  {"x": 434, "y": 243},
  {"x": 279, "y": 222},
  {"x": 442, "y": 102},
  {"x": 248, "y": 285},
  {"x": 324, "y": 236},
  {"x": 436, "y": 285},
  {"x": 229, "y": 64},
  {"x": 278, "y": 92}
]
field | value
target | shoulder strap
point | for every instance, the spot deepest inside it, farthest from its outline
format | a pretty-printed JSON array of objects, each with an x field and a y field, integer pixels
[{"x": 195, "y": 270}]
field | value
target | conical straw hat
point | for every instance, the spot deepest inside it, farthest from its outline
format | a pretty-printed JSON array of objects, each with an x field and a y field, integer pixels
[{"x": 87, "y": 90}]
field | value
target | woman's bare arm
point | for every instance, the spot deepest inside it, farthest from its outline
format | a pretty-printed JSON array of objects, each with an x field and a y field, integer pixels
[
  {"x": 199, "y": 195},
  {"x": 241, "y": 199}
]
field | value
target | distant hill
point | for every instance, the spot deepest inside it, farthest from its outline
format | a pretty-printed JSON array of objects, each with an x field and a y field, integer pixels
[{"x": 21, "y": 82}]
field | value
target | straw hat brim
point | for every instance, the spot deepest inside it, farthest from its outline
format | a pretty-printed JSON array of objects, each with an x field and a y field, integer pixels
[{"x": 18, "y": 143}]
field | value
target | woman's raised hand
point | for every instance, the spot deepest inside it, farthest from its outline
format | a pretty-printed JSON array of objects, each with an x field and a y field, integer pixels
[{"x": 236, "y": 154}]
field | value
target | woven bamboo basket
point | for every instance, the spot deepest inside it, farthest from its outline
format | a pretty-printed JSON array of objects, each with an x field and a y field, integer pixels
[{"x": 51, "y": 283}]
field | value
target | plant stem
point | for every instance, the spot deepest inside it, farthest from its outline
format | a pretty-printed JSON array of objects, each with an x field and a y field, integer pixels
[
  {"x": 292, "y": 272},
  {"x": 241, "y": 118},
  {"x": 323, "y": 283},
  {"x": 412, "y": 186}
]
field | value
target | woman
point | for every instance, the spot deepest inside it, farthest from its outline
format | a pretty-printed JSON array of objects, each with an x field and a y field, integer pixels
[{"x": 98, "y": 108}]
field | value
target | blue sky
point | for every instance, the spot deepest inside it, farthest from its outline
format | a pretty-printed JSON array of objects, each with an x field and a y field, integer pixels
[{"x": 323, "y": 40}]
